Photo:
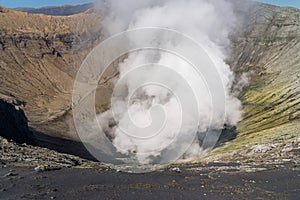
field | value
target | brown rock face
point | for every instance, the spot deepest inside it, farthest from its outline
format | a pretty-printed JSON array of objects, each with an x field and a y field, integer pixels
[
  {"x": 14, "y": 124},
  {"x": 40, "y": 56}
]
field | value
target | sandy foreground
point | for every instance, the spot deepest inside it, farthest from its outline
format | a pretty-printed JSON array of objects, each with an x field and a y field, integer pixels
[
  {"x": 193, "y": 182},
  {"x": 65, "y": 176}
]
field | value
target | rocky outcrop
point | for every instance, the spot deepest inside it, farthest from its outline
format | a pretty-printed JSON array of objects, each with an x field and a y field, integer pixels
[
  {"x": 24, "y": 155},
  {"x": 14, "y": 124}
]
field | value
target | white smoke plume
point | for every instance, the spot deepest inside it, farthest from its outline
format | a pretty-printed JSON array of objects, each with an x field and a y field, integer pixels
[{"x": 209, "y": 22}]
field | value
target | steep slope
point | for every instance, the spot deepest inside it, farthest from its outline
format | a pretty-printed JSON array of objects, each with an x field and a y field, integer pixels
[
  {"x": 40, "y": 56},
  {"x": 271, "y": 101},
  {"x": 270, "y": 51}
]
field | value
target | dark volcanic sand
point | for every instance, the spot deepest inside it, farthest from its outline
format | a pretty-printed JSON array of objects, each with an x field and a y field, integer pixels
[{"x": 66, "y": 183}]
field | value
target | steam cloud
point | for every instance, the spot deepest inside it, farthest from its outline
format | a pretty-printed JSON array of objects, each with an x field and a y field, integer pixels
[{"x": 209, "y": 22}]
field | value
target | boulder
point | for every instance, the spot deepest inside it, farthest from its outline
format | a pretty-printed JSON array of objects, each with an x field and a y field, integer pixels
[{"x": 14, "y": 124}]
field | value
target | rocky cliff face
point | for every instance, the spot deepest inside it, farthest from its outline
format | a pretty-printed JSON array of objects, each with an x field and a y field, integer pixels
[
  {"x": 269, "y": 52},
  {"x": 14, "y": 124},
  {"x": 40, "y": 57}
]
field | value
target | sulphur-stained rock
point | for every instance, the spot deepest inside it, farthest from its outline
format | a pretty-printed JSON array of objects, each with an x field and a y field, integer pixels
[{"x": 268, "y": 52}]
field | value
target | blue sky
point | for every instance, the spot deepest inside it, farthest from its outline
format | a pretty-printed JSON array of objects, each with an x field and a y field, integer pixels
[{"x": 40, "y": 3}]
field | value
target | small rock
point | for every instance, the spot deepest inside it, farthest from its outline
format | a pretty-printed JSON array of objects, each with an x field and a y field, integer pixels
[
  {"x": 40, "y": 168},
  {"x": 52, "y": 197},
  {"x": 175, "y": 169},
  {"x": 262, "y": 148},
  {"x": 286, "y": 160},
  {"x": 287, "y": 149},
  {"x": 10, "y": 174}
]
